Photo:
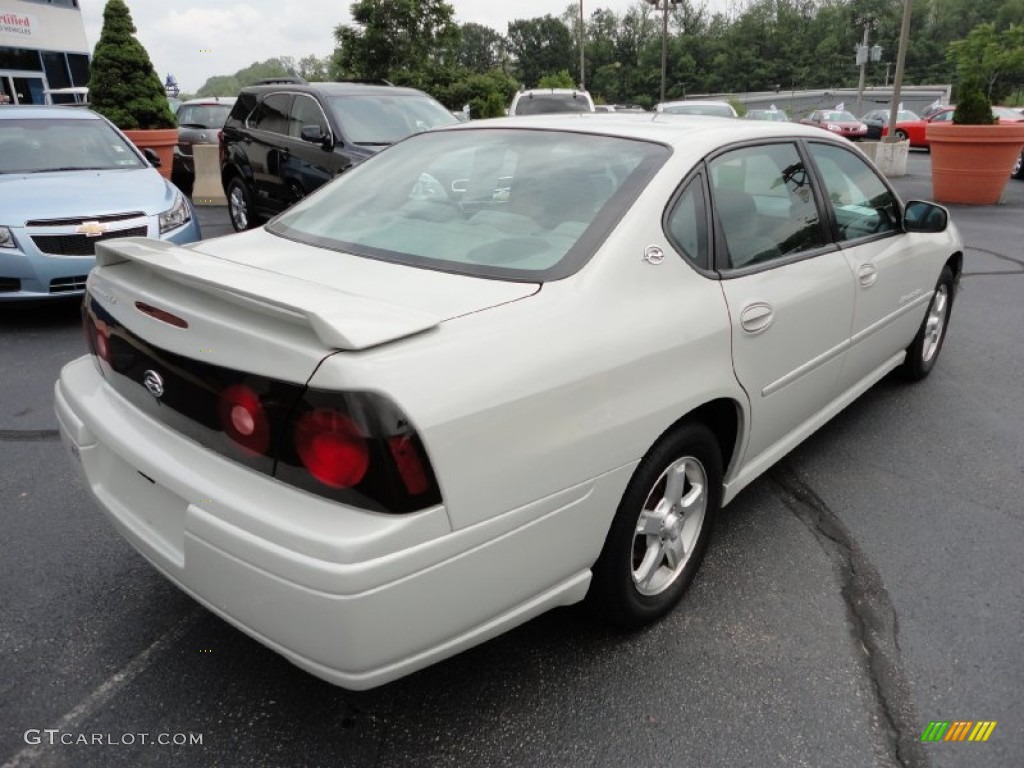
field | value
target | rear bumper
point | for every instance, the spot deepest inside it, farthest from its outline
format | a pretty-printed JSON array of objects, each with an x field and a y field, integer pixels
[{"x": 355, "y": 598}]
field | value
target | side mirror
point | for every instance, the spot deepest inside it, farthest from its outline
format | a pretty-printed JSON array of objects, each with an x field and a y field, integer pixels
[
  {"x": 314, "y": 135},
  {"x": 920, "y": 216},
  {"x": 151, "y": 155}
]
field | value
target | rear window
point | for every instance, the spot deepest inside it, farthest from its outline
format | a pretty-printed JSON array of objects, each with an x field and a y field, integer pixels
[
  {"x": 715, "y": 110},
  {"x": 527, "y": 205},
  {"x": 551, "y": 103},
  {"x": 203, "y": 115},
  {"x": 52, "y": 144}
]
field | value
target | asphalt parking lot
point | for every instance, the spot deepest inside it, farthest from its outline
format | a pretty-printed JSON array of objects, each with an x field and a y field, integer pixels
[{"x": 869, "y": 584}]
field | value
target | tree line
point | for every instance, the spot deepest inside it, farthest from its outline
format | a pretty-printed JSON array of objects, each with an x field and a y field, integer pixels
[{"x": 762, "y": 45}]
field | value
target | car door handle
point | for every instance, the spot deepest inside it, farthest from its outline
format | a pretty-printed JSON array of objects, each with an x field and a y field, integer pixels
[
  {"x": 867, "y": 274},
  {"x": 756, "y": 317}
]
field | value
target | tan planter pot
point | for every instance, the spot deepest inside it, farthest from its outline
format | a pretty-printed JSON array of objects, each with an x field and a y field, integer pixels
[
  {"x": 160, "y": 141},
  {"x": 971, "y": 163}
]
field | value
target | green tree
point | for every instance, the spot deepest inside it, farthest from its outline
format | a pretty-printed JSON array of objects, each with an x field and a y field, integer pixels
[
  {"x": 540, "y": 46},
  {"x": 482, "y": 48},
  {"x": 395, "y": 36},
  {"x": 989, "y": 60},
  {"x": 560, "y": 79},
  {"x": 123, "y": 86},
  {"x": 229, "y": 85}
]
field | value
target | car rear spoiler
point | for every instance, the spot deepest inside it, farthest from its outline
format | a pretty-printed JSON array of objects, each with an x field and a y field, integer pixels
[{"x": 341, "y": 320}]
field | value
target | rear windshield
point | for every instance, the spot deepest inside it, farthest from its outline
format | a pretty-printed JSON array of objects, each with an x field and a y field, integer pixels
[
  {"x": 715, "y": 110},
  {"x": 527, "y": 205},
  {"x": 203, "y": 115},
  {"x": 37, "y": 145},
  {"x": 551, "y": 103},
  {"x": 381, "y": 120}
]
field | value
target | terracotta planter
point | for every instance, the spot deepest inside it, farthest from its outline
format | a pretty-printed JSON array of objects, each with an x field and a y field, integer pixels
[
  {"x": 160, "y": 141},
  {"x": 971, "y": 163}
]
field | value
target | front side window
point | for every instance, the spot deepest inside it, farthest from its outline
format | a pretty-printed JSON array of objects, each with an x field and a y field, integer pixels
[
  {"x": 514, "y": 204},
  {"x": 764, "y": 204},
  {"x": 306, "y": 112},
  {"x": 861, "y": 203}
]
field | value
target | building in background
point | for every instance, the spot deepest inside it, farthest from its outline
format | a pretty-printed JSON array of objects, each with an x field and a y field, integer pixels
[{"x": 42, "y": 49}]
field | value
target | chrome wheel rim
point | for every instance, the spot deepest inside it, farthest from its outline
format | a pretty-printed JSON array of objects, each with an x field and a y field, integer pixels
[
  {"x": 1017, "y": 165},
  {"x": 669, "y": 526},
  {"x": 935, "y": 323},
  {"x": 239, "y": 214}
]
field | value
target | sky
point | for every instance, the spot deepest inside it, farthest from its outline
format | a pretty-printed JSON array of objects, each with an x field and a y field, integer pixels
[{"x": 196, "y": 39}]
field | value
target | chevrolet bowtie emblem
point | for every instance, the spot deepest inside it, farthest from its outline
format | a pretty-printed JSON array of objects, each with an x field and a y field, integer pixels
[{"x": 91, "y": 228}]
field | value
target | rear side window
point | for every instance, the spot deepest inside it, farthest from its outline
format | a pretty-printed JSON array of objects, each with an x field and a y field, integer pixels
[
  {"x": 272, "y": 114},
  {"x": 764, "y": 204},
  {"x": 687, "y": 224}
]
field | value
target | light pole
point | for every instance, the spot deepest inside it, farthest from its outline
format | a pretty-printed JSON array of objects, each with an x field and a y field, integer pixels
[
  {"x": 863, "y": 54},
  {"x": 663, "y": 6},
  {"x": 583, "y": 79}
]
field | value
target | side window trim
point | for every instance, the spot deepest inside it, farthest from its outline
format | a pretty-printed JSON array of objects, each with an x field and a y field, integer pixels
[
  {"x": 826, "y": 208},
  {"x": 697, "y": 176}
]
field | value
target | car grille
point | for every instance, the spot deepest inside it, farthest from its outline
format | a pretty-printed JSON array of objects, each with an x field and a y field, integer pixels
[
  {"x": 82, "y": 219},
  {"x": 80, "y": 245},
  {"x": 10, "y": 285},
  {"x": 68, "y": 284}
]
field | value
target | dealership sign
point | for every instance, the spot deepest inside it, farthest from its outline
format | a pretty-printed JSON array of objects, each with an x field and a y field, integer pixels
[{"x": 18, "y": 24}]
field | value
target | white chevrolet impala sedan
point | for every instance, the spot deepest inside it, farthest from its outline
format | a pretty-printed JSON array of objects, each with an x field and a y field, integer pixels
[{"x": 493, "y": 370}]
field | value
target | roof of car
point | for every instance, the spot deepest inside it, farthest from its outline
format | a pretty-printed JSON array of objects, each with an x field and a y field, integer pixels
[
  {"x": 335, "y": 89},
  {"x": 210, "y": 100},
  {"x": 705, "y": 131},
  {"x": 695, "y": 103},
  {"x": 22, "y": 111}
]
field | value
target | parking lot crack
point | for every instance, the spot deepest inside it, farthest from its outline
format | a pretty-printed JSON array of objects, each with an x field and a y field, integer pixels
[
  {"x": 28, "y": 435},
  {"x": 872, "y": 616}
]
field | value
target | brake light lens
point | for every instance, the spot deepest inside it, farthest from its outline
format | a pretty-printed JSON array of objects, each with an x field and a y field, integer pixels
[
  {"x": 244, "y": 419},
  {"x": 332, "y": 448},
  {"x": 409, "y": 464}
]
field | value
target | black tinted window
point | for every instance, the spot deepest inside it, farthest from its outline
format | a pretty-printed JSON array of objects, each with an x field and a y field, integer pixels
[
  {"x": 306, "y": 111},
  {"x": 272, "y": 114}
]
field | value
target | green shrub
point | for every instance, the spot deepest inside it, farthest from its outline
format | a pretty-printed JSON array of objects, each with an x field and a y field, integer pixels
[
  {"x": 974, "y": 108},
  {"x": 123, "y": 86}
]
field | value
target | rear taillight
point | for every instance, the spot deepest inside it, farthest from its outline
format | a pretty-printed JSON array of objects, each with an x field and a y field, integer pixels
[
  {"x": 244, "y": 419},
  {"x": 358, "y": 448},
  {"x": 332, "y": 448}
]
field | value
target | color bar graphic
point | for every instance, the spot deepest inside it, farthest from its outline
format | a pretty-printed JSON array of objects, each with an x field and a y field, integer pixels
[{"x": 958, "y": 730}]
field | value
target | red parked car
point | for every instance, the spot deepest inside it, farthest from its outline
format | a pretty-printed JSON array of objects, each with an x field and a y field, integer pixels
[
  {"x": 915, "y": 129},
  {"x": 837, "y": 121}
]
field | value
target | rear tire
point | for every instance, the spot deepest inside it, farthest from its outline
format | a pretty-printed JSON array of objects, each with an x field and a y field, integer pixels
[
  {"x": 240, "y": 208},
  {"x": 924, "y": 350},
  {"x": 661, "y": 528}
]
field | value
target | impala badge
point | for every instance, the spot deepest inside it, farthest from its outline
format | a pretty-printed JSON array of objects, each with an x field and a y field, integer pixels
[
  {"x": 154, "y": 383},
  {"x": 91, "y": 228},
  {"x": 654, "y": 255}
]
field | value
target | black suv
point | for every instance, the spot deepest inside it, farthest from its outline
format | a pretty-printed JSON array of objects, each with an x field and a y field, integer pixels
[{"x": 284, "y": 139}]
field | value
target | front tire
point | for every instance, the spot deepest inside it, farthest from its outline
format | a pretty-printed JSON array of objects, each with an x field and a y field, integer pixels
[
  {"x": 240, "y": 207},
  {"x": 924, "y": 350},
  {"x": 901, "y": 135},
  {"x": 1018, "y": 167},
  {"x": 661, "y": 528}
]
